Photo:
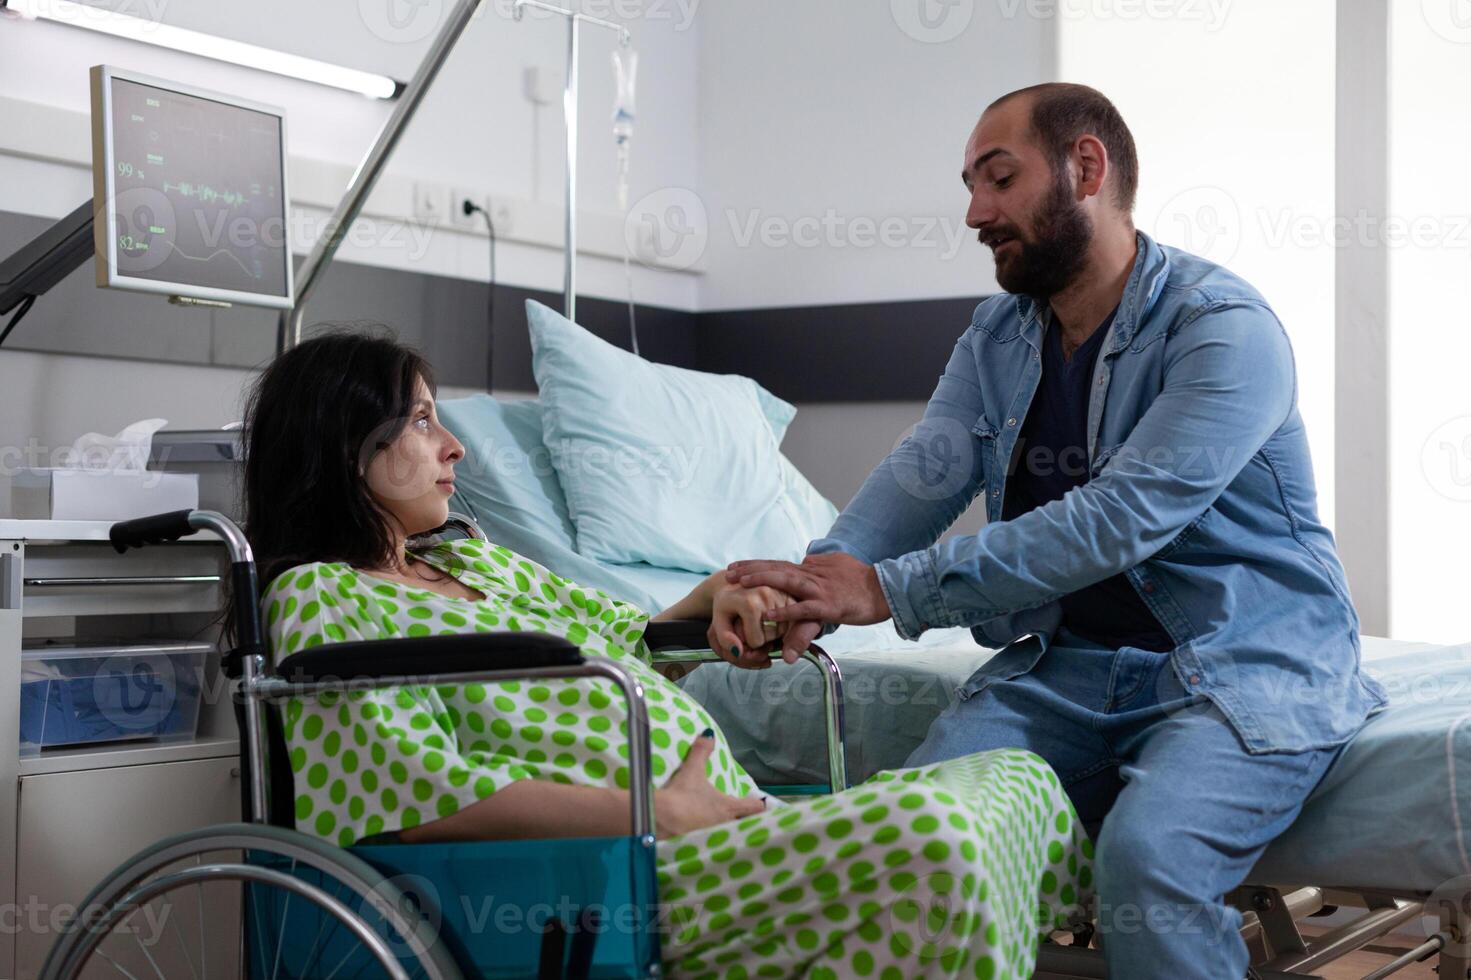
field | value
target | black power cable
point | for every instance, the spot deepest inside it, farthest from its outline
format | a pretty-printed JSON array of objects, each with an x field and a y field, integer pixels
[
  {"x": 25, "y": 307},
  {"x": 469, "y": 207}
]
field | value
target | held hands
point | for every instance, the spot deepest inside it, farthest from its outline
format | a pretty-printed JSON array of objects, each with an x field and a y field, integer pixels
[
  {"x": 740, "y": 630},
  {"x": 831, "y": 588},
  {"x": 690, "y": 802}
]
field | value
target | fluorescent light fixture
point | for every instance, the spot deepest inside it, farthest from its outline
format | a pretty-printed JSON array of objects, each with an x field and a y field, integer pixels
[{"x": 132, "y": 28}]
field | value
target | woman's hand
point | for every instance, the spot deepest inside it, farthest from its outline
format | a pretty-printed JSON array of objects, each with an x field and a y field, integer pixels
[
  {"x": 689, "y": 801},
  {"x": 739, "y": 628}
]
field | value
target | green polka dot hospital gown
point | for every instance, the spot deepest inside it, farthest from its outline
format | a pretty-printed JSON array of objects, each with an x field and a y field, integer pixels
[{"x": 951, "y": 870}]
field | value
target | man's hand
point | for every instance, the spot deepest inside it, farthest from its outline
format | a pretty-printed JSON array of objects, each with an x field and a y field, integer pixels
[{"x": 833, "y": 588}]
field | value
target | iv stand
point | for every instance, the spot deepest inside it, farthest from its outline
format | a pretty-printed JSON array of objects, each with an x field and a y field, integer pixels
[{"x": 569, "y": 115}]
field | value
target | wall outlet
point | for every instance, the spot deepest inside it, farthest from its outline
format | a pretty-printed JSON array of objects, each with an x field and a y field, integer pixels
[
  {"x": 457, "y": 216},
  {"x": 502, "y": 215},
  {"x": 542, "y": 86},
  {"x": 430, "y": 204}
]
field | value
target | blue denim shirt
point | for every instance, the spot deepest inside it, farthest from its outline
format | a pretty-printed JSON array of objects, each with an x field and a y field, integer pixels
[{"x": 1201, "y": 492}]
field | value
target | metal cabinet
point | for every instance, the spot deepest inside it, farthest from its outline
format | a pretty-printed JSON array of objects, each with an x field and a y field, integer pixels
[{"x": 68, "y": 816}]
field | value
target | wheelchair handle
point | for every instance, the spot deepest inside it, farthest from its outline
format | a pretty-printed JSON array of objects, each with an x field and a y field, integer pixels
[{"x": 176, "y": 524}]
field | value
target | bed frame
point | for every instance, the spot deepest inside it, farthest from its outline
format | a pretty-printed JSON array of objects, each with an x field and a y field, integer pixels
[{"x": 1279, "y": 951}]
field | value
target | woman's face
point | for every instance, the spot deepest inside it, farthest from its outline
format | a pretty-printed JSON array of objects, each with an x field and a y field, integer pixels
[{"x": 412, "y": 478}]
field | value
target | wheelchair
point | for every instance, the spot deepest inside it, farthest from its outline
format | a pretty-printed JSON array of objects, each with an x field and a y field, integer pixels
[{"x": 259, "y": 900}]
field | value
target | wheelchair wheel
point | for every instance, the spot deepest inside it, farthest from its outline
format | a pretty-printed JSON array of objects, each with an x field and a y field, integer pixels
[{"x": 251, "y": 901}]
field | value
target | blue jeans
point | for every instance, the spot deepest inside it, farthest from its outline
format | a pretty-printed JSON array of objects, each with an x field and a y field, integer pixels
[{"x": 1188, "y": 809}]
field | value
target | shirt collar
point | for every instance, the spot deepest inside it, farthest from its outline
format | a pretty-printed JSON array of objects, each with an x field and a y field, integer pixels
[{"x": 1151, "y": 266}]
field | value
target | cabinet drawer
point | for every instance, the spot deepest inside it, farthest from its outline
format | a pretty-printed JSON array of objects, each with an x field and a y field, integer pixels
[
  {"x": 93, "y": 579},
  {"x": 75, "y": 827}
]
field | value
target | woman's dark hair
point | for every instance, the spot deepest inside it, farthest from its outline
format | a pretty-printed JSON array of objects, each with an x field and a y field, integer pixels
[{"x": 315, "y": 418}]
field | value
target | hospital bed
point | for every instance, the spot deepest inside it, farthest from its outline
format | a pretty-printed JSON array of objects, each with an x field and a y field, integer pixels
[{"x": 1384, "y": 838}]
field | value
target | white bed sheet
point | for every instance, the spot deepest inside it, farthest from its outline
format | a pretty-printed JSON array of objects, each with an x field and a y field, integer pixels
[{"x": 1394, "y": 812}]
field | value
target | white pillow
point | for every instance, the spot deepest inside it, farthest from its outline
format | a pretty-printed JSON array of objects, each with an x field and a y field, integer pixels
[{"x": 665, "y": 465}]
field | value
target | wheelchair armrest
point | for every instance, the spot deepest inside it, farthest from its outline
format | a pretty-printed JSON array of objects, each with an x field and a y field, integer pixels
[
  {"x": 428, "y": 655},
  {"x": 684, "y": 634}
]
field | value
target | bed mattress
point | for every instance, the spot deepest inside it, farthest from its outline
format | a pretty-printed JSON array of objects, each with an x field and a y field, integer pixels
[{"x": 1392, "y": 813}]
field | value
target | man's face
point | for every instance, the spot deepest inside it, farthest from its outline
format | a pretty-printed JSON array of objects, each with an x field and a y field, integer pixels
[{"x": 1027, "y": 214}]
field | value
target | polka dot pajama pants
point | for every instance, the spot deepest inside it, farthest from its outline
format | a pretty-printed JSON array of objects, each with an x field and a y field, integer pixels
[{"x": 951, "y": 870}]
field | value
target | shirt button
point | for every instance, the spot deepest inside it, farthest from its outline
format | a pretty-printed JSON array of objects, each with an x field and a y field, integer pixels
[
  {"x": 1194, "y": 678},
  {"x": 924, "y": 626},
  {"x": 995, "y": 493},
  {"x": 1149, "y": 587},
  {"x": 1011, "y": 422},
  {"x": 1100, "y": 382}
]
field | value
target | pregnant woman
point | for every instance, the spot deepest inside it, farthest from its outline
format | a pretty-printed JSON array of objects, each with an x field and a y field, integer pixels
[{"x": 954, "y": 869}]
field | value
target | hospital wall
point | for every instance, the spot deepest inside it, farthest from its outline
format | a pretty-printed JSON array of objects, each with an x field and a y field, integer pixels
[
  {"x": 1202, "y": 120},
  {"x": 496, "y": 141},
  {"x": 1425, "y": 238},
  {"x": 475, "y": 131}
]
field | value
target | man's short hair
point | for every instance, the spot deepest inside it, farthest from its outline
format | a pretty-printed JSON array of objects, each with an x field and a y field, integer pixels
[{"x": 1064, "y": 111}]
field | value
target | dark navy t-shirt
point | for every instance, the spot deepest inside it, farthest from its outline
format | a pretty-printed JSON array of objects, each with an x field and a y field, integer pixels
[{"x": 1053, "y": 459}]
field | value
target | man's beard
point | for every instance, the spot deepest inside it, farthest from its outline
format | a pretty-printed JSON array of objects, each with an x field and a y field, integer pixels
[{"x": 1062, "y": 233}]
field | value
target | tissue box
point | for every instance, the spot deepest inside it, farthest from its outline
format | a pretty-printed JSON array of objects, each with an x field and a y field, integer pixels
[{"x": 98, "y": 495}]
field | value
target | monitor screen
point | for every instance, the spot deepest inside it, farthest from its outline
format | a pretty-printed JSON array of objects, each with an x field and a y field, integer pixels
[{"x": 192, "y": 187}]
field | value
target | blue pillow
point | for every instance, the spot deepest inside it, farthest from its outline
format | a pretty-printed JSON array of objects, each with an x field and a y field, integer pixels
[
  {"x": 664, "y": 465},
  {"x": 506, "y": 477}
]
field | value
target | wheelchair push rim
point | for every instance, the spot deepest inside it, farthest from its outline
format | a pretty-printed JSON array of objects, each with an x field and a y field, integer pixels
[{"x": 369, "y": 914}]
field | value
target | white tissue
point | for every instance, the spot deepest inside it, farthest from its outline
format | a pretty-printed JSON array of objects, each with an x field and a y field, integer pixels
[{"x": 126, "y": 452}]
